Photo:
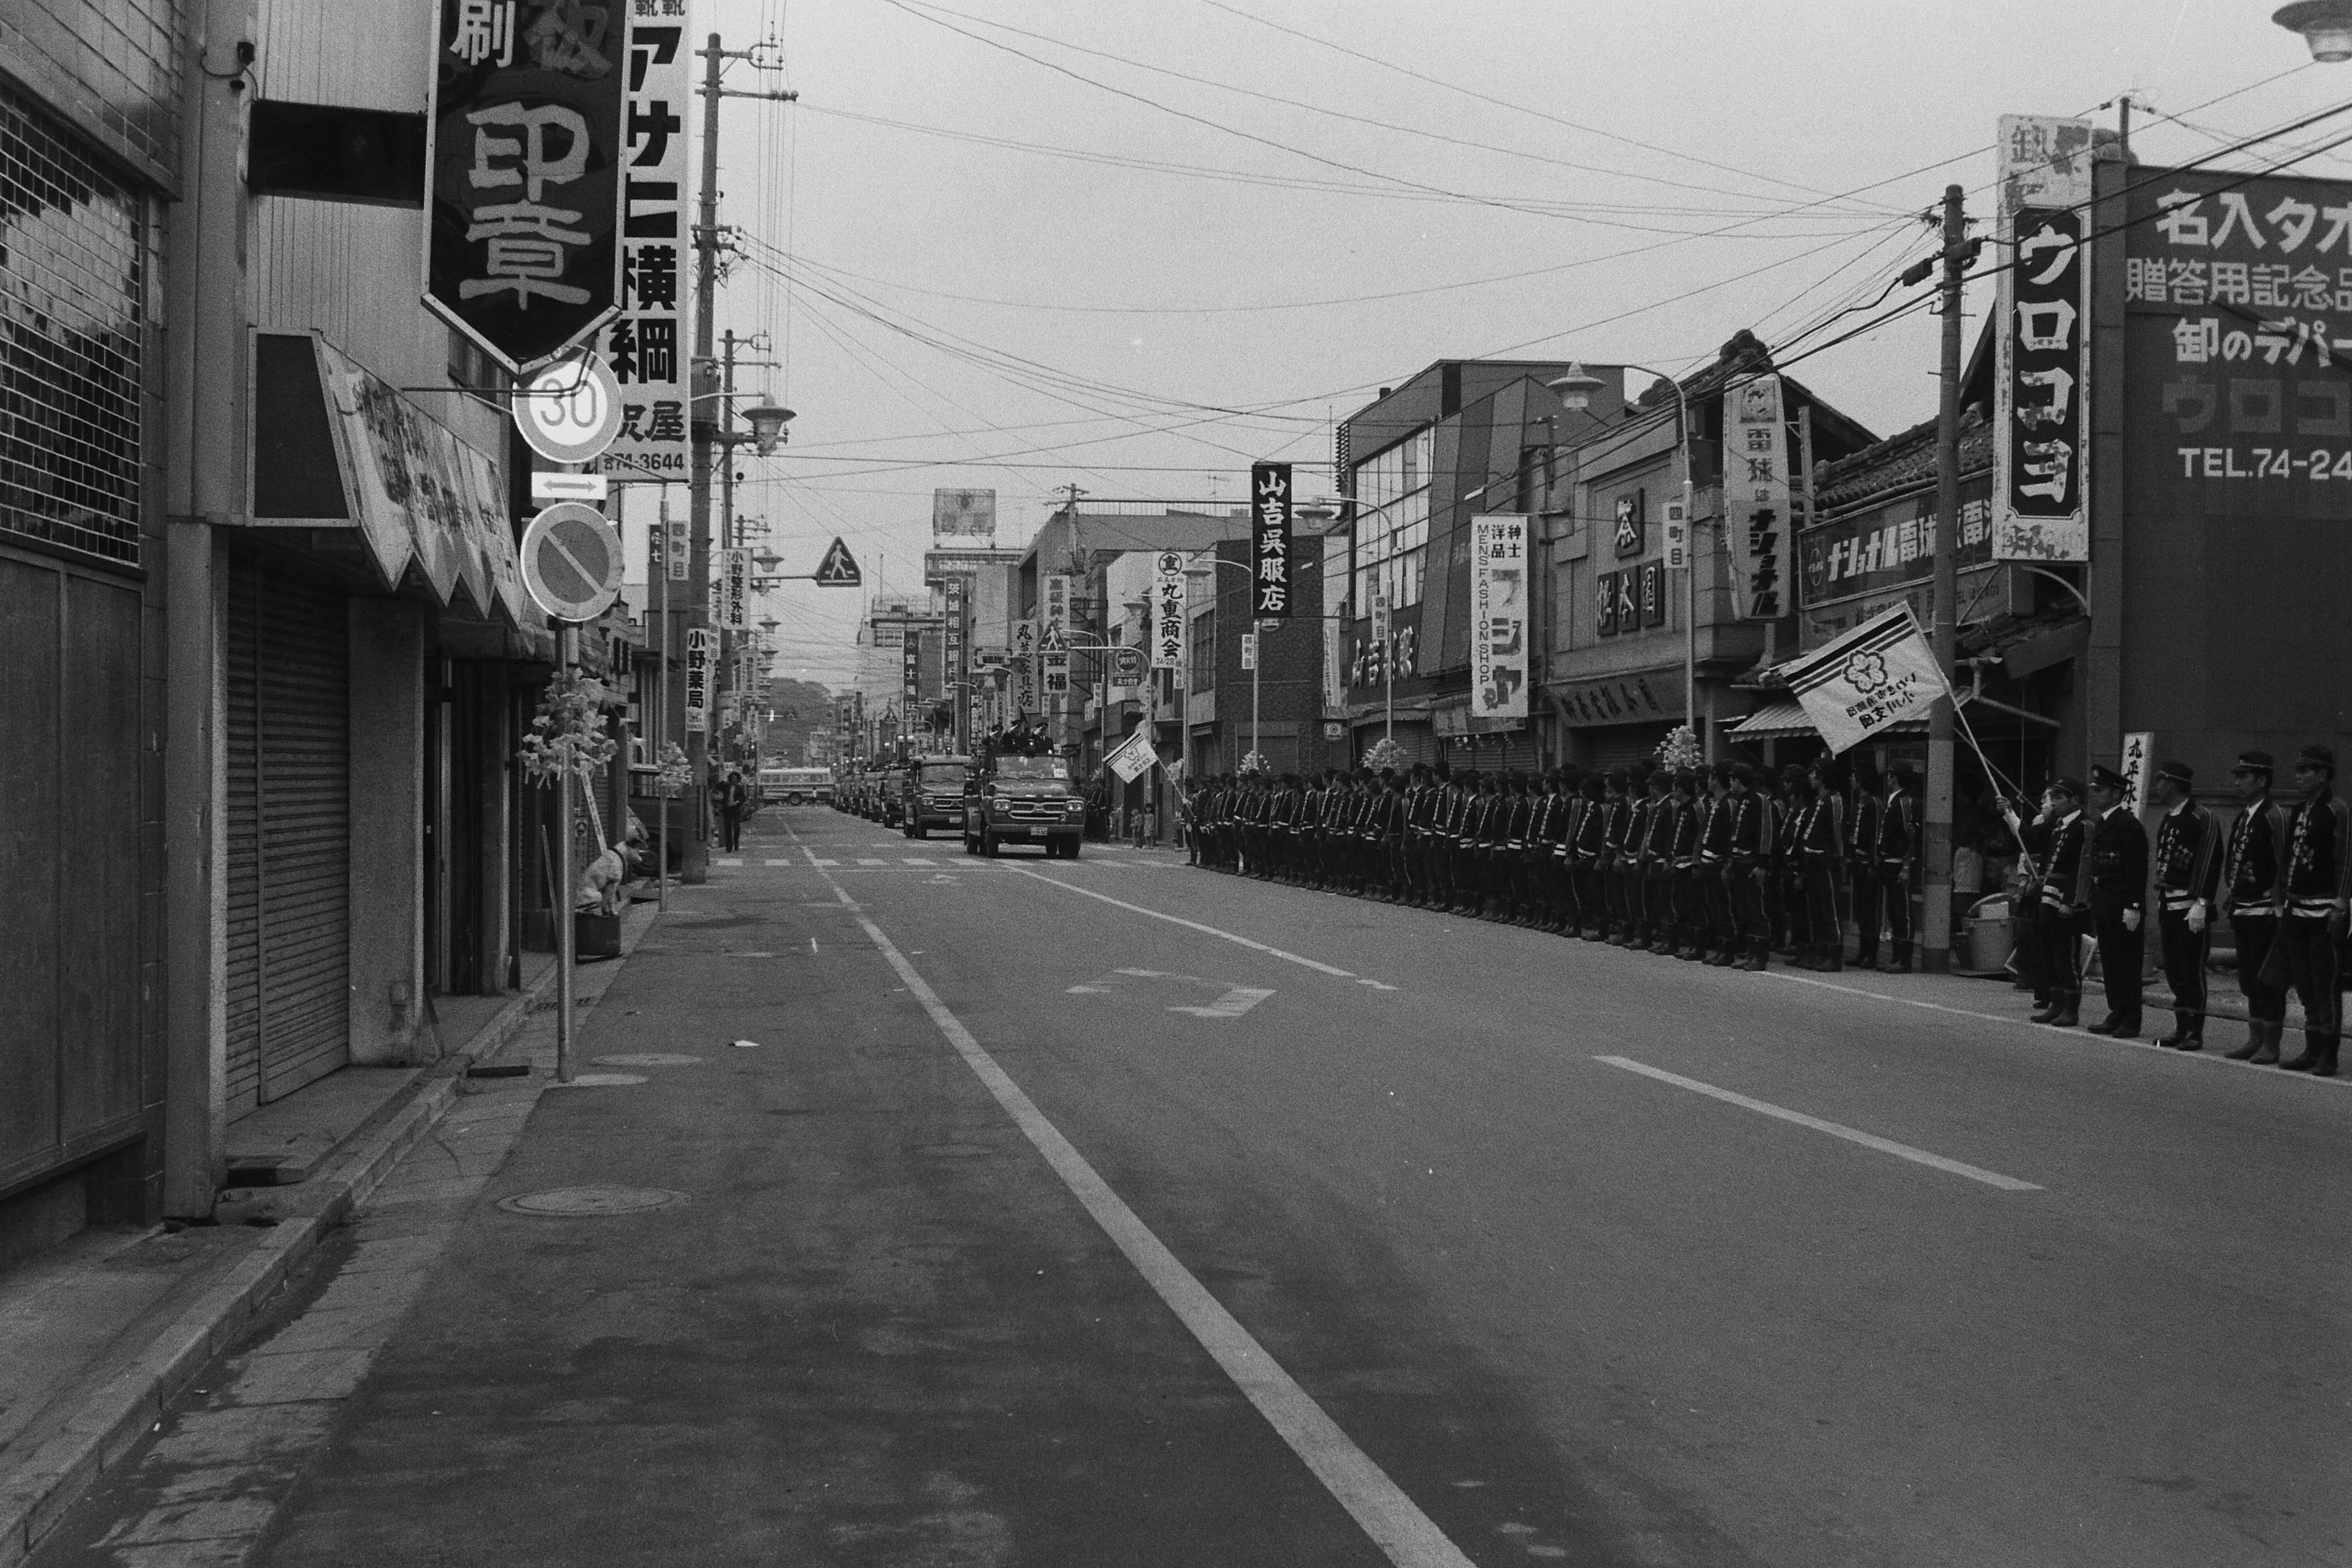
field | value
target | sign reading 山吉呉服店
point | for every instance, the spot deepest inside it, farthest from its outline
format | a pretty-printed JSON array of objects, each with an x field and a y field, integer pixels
[
  {"x": 645, "y": 344},
  {"x": 1270, "y": 508},
  {"x": 523, "y": 185}
]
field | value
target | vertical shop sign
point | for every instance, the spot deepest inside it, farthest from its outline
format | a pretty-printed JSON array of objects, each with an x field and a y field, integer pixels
[
  {"x": 698, "y": 680},
  {"x": 1053, "y": 637},
  {"x": 1604, "y": 605},
  {"x": 522, "y": 188},
  {"x": 645, "y": 344},
  {"x": 736, "y": 599},
  {"x": 1498, "y": 617},
  {"x": 954, "y": 666},
  {"x": 1270, "y": 502},
  {"x": 2042, "y": 377},
  {"x": 1024, "y": 668},
  {"x": 1168, "y": 623},
  {"x": 1755, "y": 500}
]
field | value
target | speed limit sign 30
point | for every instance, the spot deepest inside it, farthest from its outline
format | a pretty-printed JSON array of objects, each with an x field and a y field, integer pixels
[{"x": 570, "y": 409}]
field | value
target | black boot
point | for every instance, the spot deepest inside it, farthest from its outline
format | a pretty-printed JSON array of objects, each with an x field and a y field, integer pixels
[
  {"x": 2266, "y": 1054},
  {"x": 1900, "y": 964}
]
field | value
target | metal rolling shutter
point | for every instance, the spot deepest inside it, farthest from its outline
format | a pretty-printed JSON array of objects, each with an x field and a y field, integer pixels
[
  {"x": 1417, "y": 742},
  {"x": 1622, "y": 745},
  {"x": 289, "y": 837}
]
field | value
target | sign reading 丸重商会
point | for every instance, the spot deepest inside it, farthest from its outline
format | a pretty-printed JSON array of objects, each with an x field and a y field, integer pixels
[
  {"x": 1755, "y": 524},
  {"x": 645, "y": 344},
  {"x": 522, "y": 182},
  {"x": 2041, "y": 444},
  {"x": 1498, "y": 616},
  {"x": 1167, "y": 612},
  {"x": 698, "y": 680},
  {"x": 1270, "y": 505}
]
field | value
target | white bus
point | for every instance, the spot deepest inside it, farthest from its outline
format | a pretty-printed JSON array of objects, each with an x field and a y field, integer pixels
[{"x": 794, "y": 786}]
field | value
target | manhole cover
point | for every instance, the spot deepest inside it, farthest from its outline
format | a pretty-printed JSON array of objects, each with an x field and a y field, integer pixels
[
  {"x": 591, "y": 1202},
  {"x": 650, "y": 1059},
  {"x": 601, "y": 1080}
]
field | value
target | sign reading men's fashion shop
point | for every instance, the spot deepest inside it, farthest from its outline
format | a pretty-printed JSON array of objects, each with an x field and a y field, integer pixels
[
  {"x": 1756, "y": 529},
  {"x": 645, "y": 343},
  {"x": 1498, "y": 617},
  {"x": 1270, "y": 503},
  {"x": 2041, "y": 382},
  {"x": 522, "y": 180}
]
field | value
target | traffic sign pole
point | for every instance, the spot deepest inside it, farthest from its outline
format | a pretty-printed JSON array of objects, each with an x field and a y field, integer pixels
[{"x": 567, "y": 642}]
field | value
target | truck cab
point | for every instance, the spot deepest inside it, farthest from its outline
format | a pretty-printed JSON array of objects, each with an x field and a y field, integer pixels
[
  {"x": 891, "y": 798},
  {"x": 1024, "y": 800},
  {"x": 933, "y": 795}
]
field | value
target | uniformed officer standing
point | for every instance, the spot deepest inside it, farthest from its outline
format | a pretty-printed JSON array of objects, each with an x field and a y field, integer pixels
[
  {"x": 2065, "y": 905},
  {"x": 1820, "y": 842},
  {"x": 1901, "y": 846},
  {"x": 2117, "y": 879},
  {"x": 1715, "y": 867},
  {"x": 2249, "y": 878},
  {"x": 1586, "y": 848},
  {"x": 1616, "y": 822},
  {"x": 1657, "y": 862},
  {"x": 1688, "y": 937},
  {"x": 1785, "y": 893},
  {"x": 1862, "y": 863},
  {"x": 2188, "y": 861},
  {"x": 2315, "y": 882}
]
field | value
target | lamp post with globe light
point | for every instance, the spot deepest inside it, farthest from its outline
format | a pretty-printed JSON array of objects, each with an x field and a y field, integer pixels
[{"x": 2325, "y": 27}]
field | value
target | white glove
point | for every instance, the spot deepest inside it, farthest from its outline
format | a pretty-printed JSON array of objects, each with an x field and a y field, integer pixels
[
  {"x": 2197, "y": 916},
  {"x": 2131, "y": 919}
]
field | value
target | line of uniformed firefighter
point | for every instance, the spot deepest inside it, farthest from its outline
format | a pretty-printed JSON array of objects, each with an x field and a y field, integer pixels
[
  {"x": 1722, "y": 865},
  {"x": 2281, "y": 871}
]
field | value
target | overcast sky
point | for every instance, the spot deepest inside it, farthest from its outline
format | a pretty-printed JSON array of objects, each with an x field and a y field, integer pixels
[{"x": 989, "y": 258}]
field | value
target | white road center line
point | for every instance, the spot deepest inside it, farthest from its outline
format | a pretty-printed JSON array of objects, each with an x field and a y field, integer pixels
[
  {"x": 917, "y": 860},
  {"x": 1188, "y": 925},
  {"x": 1835, "y": 1130},
  {"x": 1404, "y": 1535}
]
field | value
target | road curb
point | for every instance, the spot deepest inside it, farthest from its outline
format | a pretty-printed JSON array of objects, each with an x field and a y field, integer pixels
[{"x": 109, "y": 1419}]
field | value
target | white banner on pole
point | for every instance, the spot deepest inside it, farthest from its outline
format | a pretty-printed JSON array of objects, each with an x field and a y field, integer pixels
[
  {"x": 1880, "y": 673},
  {"x": 1498, "y": 616},
  {"x": 1133, "y": 757},
  {"x": 1168, "y": 614}
]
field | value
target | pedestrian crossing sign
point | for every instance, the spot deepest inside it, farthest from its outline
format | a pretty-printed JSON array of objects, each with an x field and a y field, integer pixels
[{"x": 839, "y": 568}]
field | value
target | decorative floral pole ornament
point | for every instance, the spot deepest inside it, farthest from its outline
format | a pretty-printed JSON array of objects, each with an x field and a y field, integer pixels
[
  {"x": 1254, "y": 765},
  {"x": 1680, "y": 750},
  {"x": 567, "y": 740},
  {"x": 1384, "y": 754}
]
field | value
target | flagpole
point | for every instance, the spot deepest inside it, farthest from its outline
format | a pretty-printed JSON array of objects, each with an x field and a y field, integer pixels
[{"x": 1935, "y": 906}]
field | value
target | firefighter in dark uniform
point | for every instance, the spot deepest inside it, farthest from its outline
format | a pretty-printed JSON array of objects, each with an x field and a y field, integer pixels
[
  {"x": 1562, "y": 848},
  {"x": 1862, "y": 865},
  {"x": 2315, "y": 882},
  {"x": 1657, "y": 861},
  {"x": 1714, "y": 868},
  {"x": 1784, "y": 895},
  {"x": 2065, "y": 903},
  {"x": 1822, "y": 844},
  {"x": 2117, "y": 871},
  {"x": 1900, "y": 852},
  {"x": 1688, "y": 939},
  {"x": 2250, "y": 876},
  {"x": 1586, "y": 847},
  {"x": 1617, "y": 822},
  {"x": 2188, "y": 862},
  {"x": 1754, "y": 828}
]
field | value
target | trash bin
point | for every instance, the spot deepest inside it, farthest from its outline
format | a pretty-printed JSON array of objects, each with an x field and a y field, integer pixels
[
  {"x": 1992, "y": 935},
  {"x": 596, "y": 935}
]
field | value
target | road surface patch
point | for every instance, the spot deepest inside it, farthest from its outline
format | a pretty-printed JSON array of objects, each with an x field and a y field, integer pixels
[
  {"x": 1404, "y": 1535},
  {"x": 1188, "y": 925},
  {"x": 1835, "y": 1130},
  {"x": 648, "y": 1059},
  {"x": 601, "y": 1080}
]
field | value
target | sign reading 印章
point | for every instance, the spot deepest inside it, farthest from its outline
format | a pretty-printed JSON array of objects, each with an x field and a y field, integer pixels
[
  {"x": 645, "y": 344},
  {"x": 522, "y": 193},
  {"x": 1498, "y": 616},
  {"x": 1270, "y": 505}
]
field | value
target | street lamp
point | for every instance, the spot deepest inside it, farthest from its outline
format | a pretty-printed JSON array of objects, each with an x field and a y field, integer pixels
[
  {"x": 1576, "y": 389},
  {"x": 2326, "y": 25}
]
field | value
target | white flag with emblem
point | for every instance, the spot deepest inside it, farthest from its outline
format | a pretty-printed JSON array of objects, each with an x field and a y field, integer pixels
[{"x": 1880, "y": 673}]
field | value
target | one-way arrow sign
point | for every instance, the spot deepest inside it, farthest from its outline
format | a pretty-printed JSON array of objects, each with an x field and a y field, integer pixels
[{"x": 838, "y": 570}]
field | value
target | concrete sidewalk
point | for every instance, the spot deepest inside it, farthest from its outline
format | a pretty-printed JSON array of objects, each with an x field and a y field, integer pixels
[{"x": 98, "y": 1337}]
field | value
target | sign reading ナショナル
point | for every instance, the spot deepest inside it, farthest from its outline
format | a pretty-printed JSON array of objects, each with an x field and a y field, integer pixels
[{"x": 522, "y": 186}]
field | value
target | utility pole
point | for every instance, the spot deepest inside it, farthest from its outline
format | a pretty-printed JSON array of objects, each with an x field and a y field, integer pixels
[
  {"x": 1936, "y": 913},
  {"x": 696, "y": 861}
]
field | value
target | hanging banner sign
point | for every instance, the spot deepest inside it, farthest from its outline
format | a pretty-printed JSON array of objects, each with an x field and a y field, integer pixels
[
  {"x": 645, "y": 344},
  {"x": 522, "y": 186},
  {"x": 1053, "y": 637},
  {"x": 1270, "y": 501},
  {"x": 1498, "y": 616},
  {"x": 698, "y": 680},
  {"x": 1025, "y": 667},
  {"x": 1756, "y": 527},
  {"x": 1168, "y": 615},
  {"x": 676, "y": 528},
  {"x": 2042, "y": 381}
]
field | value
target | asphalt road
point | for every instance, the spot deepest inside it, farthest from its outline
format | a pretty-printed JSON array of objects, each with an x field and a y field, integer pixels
[{"x": 1058, "y": 1226}]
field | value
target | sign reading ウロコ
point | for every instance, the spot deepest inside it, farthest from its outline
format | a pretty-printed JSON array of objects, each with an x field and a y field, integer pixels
[
  {"x": 1270, "y": 503},
  {"x": 1755, "y": 503},
  {"x": 1498, "y": 616},
  {"x": 645, "y": 344},
  {"x": 521, "y": 190},
  {"x": 2041, "y": 383},
  {"x": 1168, "y": 623}
]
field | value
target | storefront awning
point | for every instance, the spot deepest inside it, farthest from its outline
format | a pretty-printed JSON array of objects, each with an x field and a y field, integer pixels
[
  {"x": 1787, "y": 721},
  {"x": 337, "y": 447}
]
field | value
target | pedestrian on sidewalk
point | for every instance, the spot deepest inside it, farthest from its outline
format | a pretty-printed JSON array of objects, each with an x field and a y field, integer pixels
[
  {"x": 2250, "y": 879},
  {"x": 2118, "y": 851},
  {"x": 2187, "y": 866},
  {"x": 2314, "y": 886},
  {"x": 733, "y": 799}
]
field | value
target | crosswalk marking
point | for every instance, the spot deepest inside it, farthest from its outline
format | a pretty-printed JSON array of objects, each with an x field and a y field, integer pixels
[
  {"x": 871, "y": 860},
  {"x": 775, "y": 862},
  {"x": 918, "y": 861},
  {"x": 814, "y": 859},
  {"x": 727, "y": 862}
]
